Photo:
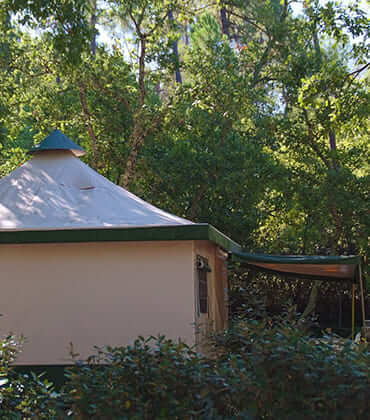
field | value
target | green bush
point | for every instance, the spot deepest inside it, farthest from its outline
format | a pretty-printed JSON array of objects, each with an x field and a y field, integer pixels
[
  {"x": 279, "y": 372},
  {"x": 260, "y": 369},
  {"x": 23, "y": 396},
  {"x": 151, "y": 379},
  {"x": 268, "y": 369}
]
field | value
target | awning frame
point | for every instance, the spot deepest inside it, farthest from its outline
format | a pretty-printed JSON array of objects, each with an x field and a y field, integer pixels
[{"x": 253, "y": 261}]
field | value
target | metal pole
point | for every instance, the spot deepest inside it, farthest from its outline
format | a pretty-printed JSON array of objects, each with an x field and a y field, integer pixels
[
  {"x": 362, "y": 298},
  {"x": 353, "y": 310}
]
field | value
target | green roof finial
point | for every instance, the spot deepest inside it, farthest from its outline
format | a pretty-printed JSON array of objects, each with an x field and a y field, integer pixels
[{"x": 58, "y": 141}]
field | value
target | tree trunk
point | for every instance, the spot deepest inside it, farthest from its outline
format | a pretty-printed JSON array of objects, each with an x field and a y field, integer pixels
[
  {"x": 138, "y": 134},
  {"x": 333, "y": 147},
  {"x": 195, "y": 203},
  {"x": 136, "y": 144},
  {"x": 332, "y": 208},
  {"x": 90, "y": 128},
  {"x": 225, "y": 24},
  {"x": 186, "y": 33},
  {"x": 93, "y": 20},
  {"x": 311, "y": 306},
  {"x": 175, "y": 52},
  {"x": 142, "y": 89}
]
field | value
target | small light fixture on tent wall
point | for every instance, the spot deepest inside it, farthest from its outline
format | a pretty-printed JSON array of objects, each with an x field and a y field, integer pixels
[{"x": 202, "y": 270}]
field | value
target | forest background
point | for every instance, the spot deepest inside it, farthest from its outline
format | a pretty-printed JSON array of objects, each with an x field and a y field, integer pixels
[{"x": 250, "y": 115}]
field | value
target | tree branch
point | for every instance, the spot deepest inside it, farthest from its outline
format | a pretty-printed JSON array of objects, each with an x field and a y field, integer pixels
[
  {"x": 355, "y": 73},
  {"x": 249, "y": 21},
  {"x": 262, "y": 62},
  {"x": 203, "y": 187},
  {"x": 312, "y": 143},
  {"x": 142, "y": 89},
  {"x": 284, "y": 13},
  {"x": 118, "y": 97},
  {"x": 88, "y": 118}
]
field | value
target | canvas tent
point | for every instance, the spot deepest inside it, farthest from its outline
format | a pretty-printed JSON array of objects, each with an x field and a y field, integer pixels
[{"x": 84, "y": 261}]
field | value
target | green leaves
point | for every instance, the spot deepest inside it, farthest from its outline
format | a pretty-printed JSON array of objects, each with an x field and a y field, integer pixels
[
  {"x": 23, "y": 396},
  {"x": 262, "y": 369},
  {"x": 65, "y": 20},
  {"x": 243, "y": 143},
  {"x": 290, "y": 374}
]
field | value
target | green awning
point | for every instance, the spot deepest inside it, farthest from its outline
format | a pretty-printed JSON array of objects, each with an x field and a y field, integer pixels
[{"x": 342, "y": 268}]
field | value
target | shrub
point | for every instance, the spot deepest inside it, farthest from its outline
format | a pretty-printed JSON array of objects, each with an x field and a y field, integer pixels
[
  {"x": 151, "y": 379},
  {"x": 266, "y": 369},
  {"x": 23, "y": 396},
  {"x": 261, "y": 369},
  {"x": 277, "y": 371}
]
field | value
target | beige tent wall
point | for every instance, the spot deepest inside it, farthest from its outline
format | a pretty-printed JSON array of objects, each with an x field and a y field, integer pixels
[
  {"x": 217, "y": 289},
  {"x": 94, "y": 294}
]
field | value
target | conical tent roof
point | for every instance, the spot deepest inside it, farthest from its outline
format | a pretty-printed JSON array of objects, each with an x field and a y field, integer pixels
[{"x": 55, "y": 190}]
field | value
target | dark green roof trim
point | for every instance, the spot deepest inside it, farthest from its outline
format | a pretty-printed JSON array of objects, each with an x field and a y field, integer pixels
[
  {"x": 222, "y": 240},
  {"x": 294, "y": 259},
  {"x": 58, "y": 141},
  {"x": 201, "y": 231}
]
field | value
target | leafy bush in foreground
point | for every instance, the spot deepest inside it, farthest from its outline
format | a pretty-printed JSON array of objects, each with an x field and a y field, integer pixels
[
  {"x": 151, "y": 379},
  {"x": 286, "y": 374},
  {"x": 22, "y": 396},
  {"x": 265, "y": 369}
]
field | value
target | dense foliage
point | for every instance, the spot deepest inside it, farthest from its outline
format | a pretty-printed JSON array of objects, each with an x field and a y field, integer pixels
[
  {"x": 252, "y": 116},
  {"x": 266, "y": 294},
  {"x": 22, "y": 396},
  {"x": 282, "y": 372},
  {"x": 267, "y": 369},
  {"x": 263, "y": 370}
]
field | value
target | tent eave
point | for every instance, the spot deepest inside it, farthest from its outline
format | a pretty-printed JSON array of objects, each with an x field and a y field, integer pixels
[{"x": 191, "y": 231}]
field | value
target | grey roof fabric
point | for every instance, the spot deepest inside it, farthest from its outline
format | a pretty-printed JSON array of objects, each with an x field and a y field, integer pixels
[{"x": 56, "y": 190}]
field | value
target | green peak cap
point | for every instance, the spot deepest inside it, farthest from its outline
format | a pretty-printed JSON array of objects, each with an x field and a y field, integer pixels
[{"x": 58, "y": 141}]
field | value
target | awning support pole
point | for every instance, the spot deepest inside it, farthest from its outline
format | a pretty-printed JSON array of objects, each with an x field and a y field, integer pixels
[
  {"x": 362, "y": 299},
  {"x": 353, "y": 310}
]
